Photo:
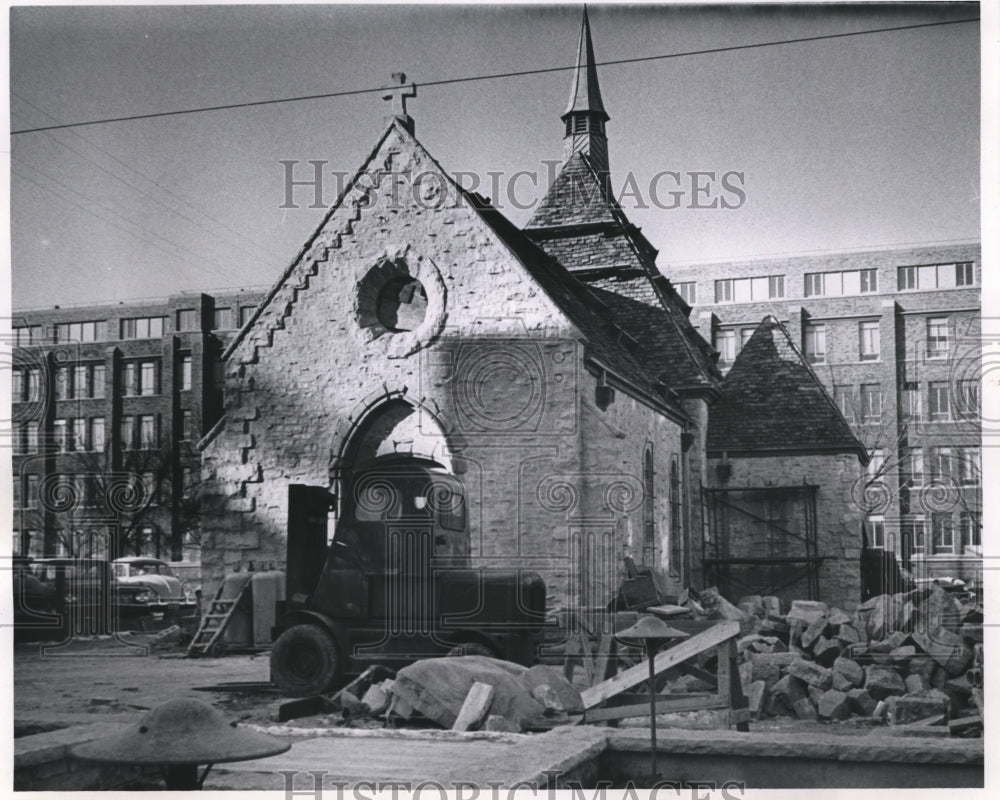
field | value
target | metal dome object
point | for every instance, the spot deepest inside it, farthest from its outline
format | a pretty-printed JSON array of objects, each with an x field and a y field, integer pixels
[
  {"x": 182, "y": 731},
  {"x": 650, "y": 628}
]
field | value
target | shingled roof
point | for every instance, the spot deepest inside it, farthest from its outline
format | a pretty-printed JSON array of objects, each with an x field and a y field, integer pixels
[
  {"x": 581, "y": 225},
  {"x": 773, "y": 402}
]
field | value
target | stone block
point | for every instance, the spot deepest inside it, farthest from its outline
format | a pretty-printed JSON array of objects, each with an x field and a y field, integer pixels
[
  {"x": 804, "y": 709},
  {"x": 807, "y": 611},
  {"x": 816, "y": 630},
  {"x": 904, "y": 653},
  {"x": 924, "y": 666},
  {"x": 495, "y": 722},
  {"x": 825, "y": 651},
  {"x": 814, "y": 693},
  {"x": 833, "y": 705},
  {"x": 913, "y": 707},
  {"x": 849, "y": 670},
  {"x": 755, "y": 698},
  {"x": 811, "y": 673},
  {"x": 916, "y": 683},
  {"x": 847, "y": 635},
  {"x": 882, "y": 682},
  {"x": 767, "y": 667},
  {"x": 790, "y": 689},
  {"x": 772, "y": 604},
  {"x": 946, "y": 648},
  {"x": 838, "y": 617},
  {"x": 862, "y": 702}
]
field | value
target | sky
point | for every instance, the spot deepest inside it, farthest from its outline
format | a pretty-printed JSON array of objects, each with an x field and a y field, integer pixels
[{"x": 843, "y": 143}]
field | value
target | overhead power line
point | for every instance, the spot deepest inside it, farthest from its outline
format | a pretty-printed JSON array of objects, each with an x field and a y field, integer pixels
[{"x": 494, "y": 76}]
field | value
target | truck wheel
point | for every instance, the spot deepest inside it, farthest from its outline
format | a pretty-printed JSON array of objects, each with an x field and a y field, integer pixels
[
  {"x": 305, "y": 661},
  {"x": 471, "y": 649}
]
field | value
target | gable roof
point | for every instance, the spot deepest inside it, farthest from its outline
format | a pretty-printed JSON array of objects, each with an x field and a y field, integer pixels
[
  {"x": 580, "y": 224},
  {"x": 773, "y": 401}
]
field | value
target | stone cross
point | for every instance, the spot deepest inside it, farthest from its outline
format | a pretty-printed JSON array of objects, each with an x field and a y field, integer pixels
[{"x": 397, "y": 92}]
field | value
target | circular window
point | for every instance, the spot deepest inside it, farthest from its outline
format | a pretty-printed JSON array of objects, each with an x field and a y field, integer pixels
[{"x": 402, "y": 304}]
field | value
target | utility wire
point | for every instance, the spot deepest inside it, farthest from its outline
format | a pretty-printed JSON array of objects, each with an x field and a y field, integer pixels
[
  {"x": 236, "y": 237},
  {"x": 495, "y": 76}
]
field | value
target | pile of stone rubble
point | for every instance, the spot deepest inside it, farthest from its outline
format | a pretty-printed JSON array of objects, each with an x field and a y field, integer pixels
[{"x": 906, "y": 658}]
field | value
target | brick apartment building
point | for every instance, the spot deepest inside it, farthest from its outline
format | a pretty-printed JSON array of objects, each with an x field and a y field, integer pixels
[
  {"x": 109, "y": 402},
  {"x": 894, "y": 335}
]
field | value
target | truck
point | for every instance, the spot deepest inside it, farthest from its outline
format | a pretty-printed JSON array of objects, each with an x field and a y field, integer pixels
[{"x": 394, "y": 583}]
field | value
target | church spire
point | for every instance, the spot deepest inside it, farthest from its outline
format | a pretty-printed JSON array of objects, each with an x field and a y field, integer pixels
[{"x": 585, "y": 115}]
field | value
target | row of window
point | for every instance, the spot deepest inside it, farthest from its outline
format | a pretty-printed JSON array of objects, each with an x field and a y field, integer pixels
[
  {"x": 86, "y": 434},
  {"x": 85, "y": 381},
  {"x": 89, "y": 489},
  {"x": 946, "y": 402},
  {"x": 961, "y": 465},
  {"x": 837, "y": 283},
  {"x": 815, "y": 347},
  {"x": 946, "y": 538},
  {"x": 130, "y": 328}
]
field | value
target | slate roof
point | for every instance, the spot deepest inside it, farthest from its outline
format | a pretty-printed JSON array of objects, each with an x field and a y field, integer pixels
[
  {"x": 773, "y": 401},
  {"x": 581, "y": 225}
]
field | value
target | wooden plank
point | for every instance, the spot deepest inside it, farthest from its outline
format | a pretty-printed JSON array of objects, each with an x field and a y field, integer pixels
[
  {"x": 669, "y": 706},
  {"x": 476, "y": 706},
  {"x": 682, "y": 651},
  {"x": 587, "y": 658},
  {"x": 605, "y": 652},
  {"x": 965, "y": 725},
  {"x": 737, "y": 699}
]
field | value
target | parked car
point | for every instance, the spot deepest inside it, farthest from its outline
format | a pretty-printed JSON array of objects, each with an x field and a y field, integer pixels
[
  {"x": 78, "y": 590},
  {"x": 148, "y": 586}
]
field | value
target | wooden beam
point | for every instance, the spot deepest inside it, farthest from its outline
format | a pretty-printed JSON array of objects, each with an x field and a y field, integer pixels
[
  {"x": 682, "y": 651},
  {"x": 606, "y": 651},
  {"x": 965, "y": 725},
  {"x": 474, "y": 709},
  {"x": 669, "y": 706}
]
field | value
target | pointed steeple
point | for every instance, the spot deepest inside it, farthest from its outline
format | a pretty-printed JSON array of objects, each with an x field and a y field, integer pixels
[{"x": 585, "y": 115}]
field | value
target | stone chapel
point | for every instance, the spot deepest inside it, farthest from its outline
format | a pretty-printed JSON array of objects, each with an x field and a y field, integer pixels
[{"x": 549, "y": 377}]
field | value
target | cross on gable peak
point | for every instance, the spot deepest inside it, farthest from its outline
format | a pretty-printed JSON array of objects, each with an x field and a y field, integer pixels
[{"x": 397, "y": 91}]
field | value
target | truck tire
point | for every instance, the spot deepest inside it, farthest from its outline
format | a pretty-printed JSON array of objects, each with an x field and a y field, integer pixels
[{"x": 305, "y": 661}]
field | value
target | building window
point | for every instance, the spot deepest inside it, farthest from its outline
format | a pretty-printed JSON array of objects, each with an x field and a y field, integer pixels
[
  {"x": 912, "y": 406},
  {"x": 843, "y": 396},
  {"x": 871, "y": 402},
  {"x": 937, "y": 337},
  {"x": 968, "y": 465},
  {"x": 964, "y": 274},
  {"x": 913, "y": 532},
  {"x": 746, "y": 290},
  {"x": 246, "y": 312},
  {"x": 868, "y": 336},
  {"x": 688, "y": 291},
  {"x": 745, "y": 334},
  {"x": 30, "y": 498},
  {"x": 34, "y": 385},
  {"x": 968, "y": 399},
  {"x": 96, "y": 440},
  {"x": 29, "y": 334},
  {"x": 78, "y": 434},
  {"x": 942, "y": 532},
  {"x": 815, "y": 341},
  {"x": 148, "y": 438},
  {"x": 876, "y": 466},
  {"x": 648, "y": 508},
  {"x": 59, "y": 435},
  {"x": 64, "y": 383},
  {"x": 939, "y": 401},
  {"x": 185, "y": 373},
  {"x": 841, "y": 284},
  {"x": 187, "y": 426},
  {"x": 31, "y": 438},
  {"x": 969, "y": 529},
  {"x": 142, "y": 328},
  {"x": 128, "y": 433},
  {"x": 675, "y": 518},
  {"x": 939, "y": 468},
  {"x": 97, "y": 381},
  {"x": 876, "y": 531},
  {"x": 222, "y": 319},
  {"x": 934, "y": 276},
  {"x": 912, "y": 468},
  {"x": 187, "y": 319},
  {"x": 81, "y": 331},
  {"x": 140, "y": 378},
  {"x": 17, "y": 385},
  {"x": 725, "y": 343}
]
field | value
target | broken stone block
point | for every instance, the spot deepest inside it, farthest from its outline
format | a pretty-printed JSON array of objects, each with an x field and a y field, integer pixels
[
  {"x": 753, "y": 605},
  {"x": 897, "y": 639},
  {"x": 849, "y": 670},
  {"x": 775, "y": 627},
  {"x": 808, "y": 611},
  {"x": 689, "y": 683},
  {"x": 833, "y": 705},
  {"x": 939, "y": 679},
  {"x": 838, "y": 617},
  {"x": 755, "y": 698},
  {"x": 804, "y": 709},
  {"x": 746, "y": 673},
  {"x": 912, "y": 707},
  {"x": 960, "y": 685},
  {"x": 847, "y": 635},
  {"x": 815, "y": 694},
  {"x": 790, "y": 689},
  {"x": 825, "y": 651},
  {"x": 924, "y": 666},
  {"x": 903, "y": 653},
  {"x": 863, "y": 702},
  {"x": 946, "y": 648},
  {"x": 349, "y": 704},
  {"x": 549, "y": 686},
  {"x": 777, "y": 706},
  {"x": 772, "y": 604},
  {"x": 882, "y": 682},
  {"x": 811, "y": 673},
  {"x": 795, "y": 630},
  {"x": 767, "y": 666},
  {"x": 377, "y": 698},
  {"x": 817, "y": 628},
  {"x": 939, "y": 610},
  {"x": 495, "y": 722},
  {"x": 916, "y": 683}
]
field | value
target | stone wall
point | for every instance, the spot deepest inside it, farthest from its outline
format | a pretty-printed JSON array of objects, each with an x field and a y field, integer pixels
[{"x": 838, "y": 513}]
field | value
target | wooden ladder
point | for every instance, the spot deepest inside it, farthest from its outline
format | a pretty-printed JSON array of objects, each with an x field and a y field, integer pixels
[{"x": 208, "y": 640}]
